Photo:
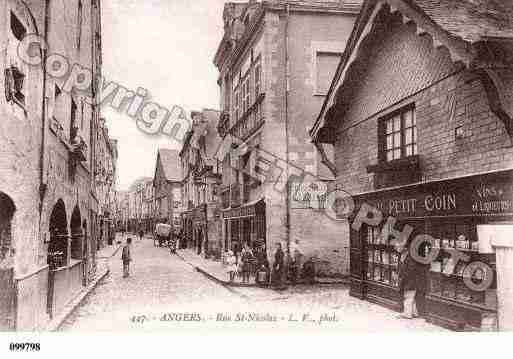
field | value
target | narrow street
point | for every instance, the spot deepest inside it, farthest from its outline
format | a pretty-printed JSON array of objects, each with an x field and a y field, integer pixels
[{"x": 162, "y": 289}]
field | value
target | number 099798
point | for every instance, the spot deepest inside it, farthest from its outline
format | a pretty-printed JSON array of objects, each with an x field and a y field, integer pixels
[{"x": 24, "y": 347}]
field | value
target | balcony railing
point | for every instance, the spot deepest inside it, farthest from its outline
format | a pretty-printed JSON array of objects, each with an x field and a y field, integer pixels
[{"x": 250, "y": 120}]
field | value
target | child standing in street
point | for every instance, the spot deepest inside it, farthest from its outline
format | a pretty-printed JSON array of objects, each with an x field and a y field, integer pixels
[
  {"x": 126, "y": 257},
  {"x": 231, "y": 267}
]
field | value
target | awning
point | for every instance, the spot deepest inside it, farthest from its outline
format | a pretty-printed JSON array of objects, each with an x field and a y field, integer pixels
[{"x": 249, "y": 209}]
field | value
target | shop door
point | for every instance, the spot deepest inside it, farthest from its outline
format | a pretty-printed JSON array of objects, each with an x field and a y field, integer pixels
[
  {"x": 246, "y": 231},
  {"x": 227, "y": 245},
  {"x": 234, "y": 223},
  {"x": 199, "y": 242},
  {"x": 7, "y": 300}
]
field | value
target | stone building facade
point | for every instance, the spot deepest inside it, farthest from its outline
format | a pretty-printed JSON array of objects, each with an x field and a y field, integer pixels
[
  {"x": 420, "y": 118},
  {"x": 105, "y": 174},
  {"x": 167, "y": 187},
  {"x": 148, "y": 211},
  {"x": 201, "y": 178},
  {"x": 123, "y": 204},
  {"x": 136, "y": 203},
  {"x": 275, "y": 61},
  {"x": 45, "y": 158}
]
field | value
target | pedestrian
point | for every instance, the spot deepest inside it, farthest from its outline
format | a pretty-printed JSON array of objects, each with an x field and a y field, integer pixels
[
  {"x": 261, "y": 255},
  {"x": 236, "y": 248},
  {"x": 122, "y": 233},
  {"x": 278, "y": 266},
  {"x": 246, "y": 258},
  {"x": 296, "y": 254},
  {"x": 412, "y": 280},
  {"x": 141, "y": 234},
  {"x": 231, "y": 266},
  {"x": 181, "y": 239},
  {"x": 126, "y": 257}
]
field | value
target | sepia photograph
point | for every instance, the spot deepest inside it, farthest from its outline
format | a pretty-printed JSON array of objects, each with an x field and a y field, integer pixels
[{"x": 276, "y": 165}]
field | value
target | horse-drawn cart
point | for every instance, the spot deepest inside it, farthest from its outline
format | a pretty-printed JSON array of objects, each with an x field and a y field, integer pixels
[{"x": 162, "y": 234}]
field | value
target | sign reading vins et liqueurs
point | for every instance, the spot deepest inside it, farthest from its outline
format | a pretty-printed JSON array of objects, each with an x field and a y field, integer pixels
[{"x": 490, "y": 194}]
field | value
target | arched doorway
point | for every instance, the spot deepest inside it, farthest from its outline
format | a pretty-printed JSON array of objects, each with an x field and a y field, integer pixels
[
  {"x": 77, "y": 237},
  {"x": 7, "y": 292},
  {"x": 85, "y": 253},
  {"x": 7, "y": 209},
  {"x": 57, "y": 248}
]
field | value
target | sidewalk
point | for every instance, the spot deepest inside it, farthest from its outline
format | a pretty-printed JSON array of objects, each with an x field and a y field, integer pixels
[
  {"x": 109, "y": 251},
  {"x": 102, "y": 271},
  {"x": 217, "y": 272}
]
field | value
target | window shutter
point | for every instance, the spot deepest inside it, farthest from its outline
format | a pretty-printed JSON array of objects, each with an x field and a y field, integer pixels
[{"x": 9, "y": 84}]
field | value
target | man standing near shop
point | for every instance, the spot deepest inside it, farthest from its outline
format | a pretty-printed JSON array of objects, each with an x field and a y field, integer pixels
[
  {"x": 296, "y": 254},
  {"x": 413, "y": 280},
  {"x": 278, "y": 267}
]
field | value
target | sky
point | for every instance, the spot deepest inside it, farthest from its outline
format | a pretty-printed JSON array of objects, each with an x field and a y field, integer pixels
[{"x": 166, "y": 47}]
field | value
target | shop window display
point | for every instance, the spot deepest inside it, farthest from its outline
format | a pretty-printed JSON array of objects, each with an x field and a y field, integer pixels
[
  {"x": 446, "y": 279},
  {"x": 382, "y": 259}
]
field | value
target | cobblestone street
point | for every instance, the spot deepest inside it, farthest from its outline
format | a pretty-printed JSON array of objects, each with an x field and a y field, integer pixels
[{"x": 162, "y": 286}]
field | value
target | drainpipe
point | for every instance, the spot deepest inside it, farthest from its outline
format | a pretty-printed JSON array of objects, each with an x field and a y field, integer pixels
[
  {"x": 287, "y": 90},
  {"x": 42, "y": 184}
]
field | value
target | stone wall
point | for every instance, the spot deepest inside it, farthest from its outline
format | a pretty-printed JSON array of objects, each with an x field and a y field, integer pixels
[
  {"x": 308, "y": 34},
  {"x": 404, "y": 68},
  {"x": 23, "y": 167}
]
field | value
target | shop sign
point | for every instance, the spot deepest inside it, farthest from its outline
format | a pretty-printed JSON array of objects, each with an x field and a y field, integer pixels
[
  {"x": 305, "y": 195},
  {"x": 490, "y": 194},
  {"x": 240, "y": 212}
]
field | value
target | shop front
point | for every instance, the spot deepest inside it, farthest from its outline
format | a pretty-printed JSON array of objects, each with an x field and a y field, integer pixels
[
  {"x": 187, "y": 219},
  {"x": 245, "y": 225},
  {"x": 462, "y": 216},
  {"x": 199, "y": 225}
]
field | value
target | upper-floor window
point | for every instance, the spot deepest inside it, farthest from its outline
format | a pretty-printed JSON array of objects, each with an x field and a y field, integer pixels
[
  {"x": 227, "y": 92},
  {"x": 79, "y": 23},
  {"x": 326, "y": 65},
  {"x": 258, "y": 79},
  {"x": 399, "y": 135},
  {"x": 246, "y": 94},
  {"x": 82, "y": 113},
  {"x": 14, "y": 85},
  {"x": 73, "y": 122},
  {"x": 236, "y": 105},
  {"x": 19, "y": 31}
]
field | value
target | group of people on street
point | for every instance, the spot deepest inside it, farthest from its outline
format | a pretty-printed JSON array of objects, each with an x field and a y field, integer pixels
[{"x": 245, "y": 262}]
